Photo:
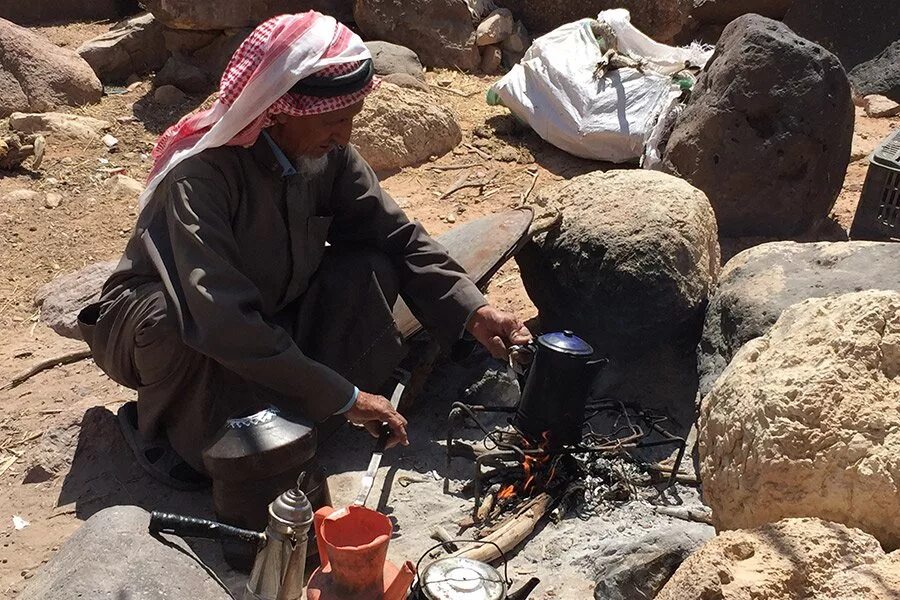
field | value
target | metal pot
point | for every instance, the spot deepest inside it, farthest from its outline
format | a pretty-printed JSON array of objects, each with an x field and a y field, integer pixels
[
  {"x": 557, "y": 385},
  {"x": 457, "y": 578}
]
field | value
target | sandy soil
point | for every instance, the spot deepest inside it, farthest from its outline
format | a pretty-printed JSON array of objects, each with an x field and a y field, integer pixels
[{"x": 61, "y": 457}]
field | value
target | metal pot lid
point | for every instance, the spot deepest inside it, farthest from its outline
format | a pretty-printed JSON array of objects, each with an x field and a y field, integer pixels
[
  {"x": 462, "y": 579},
  {"x": 566, "y": 342},
  {"x": 293, "y": 507}
]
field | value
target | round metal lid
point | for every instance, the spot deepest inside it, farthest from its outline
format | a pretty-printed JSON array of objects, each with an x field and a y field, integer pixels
[
  {"x": 566, "y": 342},
  {"x": 293, "y": 507},
  {"x": 462, "y": 579}
]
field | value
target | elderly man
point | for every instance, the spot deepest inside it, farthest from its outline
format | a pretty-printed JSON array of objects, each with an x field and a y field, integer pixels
[{"x": 266, "y": 259}]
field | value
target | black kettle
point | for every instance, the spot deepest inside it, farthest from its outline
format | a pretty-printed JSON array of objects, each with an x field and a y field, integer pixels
[{"x": 556, "y": 388}]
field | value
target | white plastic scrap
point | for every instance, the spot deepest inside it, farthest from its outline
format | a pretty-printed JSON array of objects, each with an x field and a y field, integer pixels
[{"x": 19, "y": 523}]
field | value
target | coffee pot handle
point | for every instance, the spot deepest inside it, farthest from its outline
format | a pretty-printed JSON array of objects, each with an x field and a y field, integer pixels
[
  {"x": 319, "y": 518},
  {"x": 161, "y": 522}
]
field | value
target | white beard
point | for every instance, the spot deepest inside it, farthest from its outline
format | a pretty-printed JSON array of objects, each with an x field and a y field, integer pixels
[{"x": 310, "y": 167}]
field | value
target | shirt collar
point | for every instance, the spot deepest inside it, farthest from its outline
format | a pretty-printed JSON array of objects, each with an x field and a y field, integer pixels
[{"x": 287, "y": 168}]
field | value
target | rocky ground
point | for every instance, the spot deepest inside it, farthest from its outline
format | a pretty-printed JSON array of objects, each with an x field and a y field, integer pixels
[{"x": 61, "y": 457}]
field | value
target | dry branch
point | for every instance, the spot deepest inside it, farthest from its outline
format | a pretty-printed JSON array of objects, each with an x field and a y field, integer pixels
[
  {"x": 513, "y": 531},
  {"x": 455, "y": 167},
  {"x": 453, "y": 91},
  {"x": 684, "y": 514},
  {"x": 65, "y": 359},
  {"x": 478, "y": 151}
]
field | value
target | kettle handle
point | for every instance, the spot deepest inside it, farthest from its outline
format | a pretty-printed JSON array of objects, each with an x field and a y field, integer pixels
[
  {"x": 319, "y": 518},
  {"x": 161, "y": 522}
]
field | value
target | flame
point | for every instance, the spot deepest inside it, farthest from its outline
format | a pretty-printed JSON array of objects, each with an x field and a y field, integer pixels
[{"x": 507, "y": 492}]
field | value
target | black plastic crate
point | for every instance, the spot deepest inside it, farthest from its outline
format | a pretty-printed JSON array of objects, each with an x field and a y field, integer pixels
[{"x": 878, "y": 214}]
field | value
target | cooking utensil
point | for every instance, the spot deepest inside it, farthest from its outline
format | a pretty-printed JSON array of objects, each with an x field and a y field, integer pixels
[
  {"x": 368, "y": 479},
  {"x": 557, "y": 385}
]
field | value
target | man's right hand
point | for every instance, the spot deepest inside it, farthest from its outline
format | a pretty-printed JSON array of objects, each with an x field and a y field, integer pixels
[{"x": 372, "y": 411}]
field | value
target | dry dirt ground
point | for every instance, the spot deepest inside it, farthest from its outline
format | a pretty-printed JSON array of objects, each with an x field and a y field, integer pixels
[{"x": 61, "y": 456}]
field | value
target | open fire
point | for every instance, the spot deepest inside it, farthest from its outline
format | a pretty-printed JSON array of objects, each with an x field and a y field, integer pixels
[{"x": 514, "y": 474}]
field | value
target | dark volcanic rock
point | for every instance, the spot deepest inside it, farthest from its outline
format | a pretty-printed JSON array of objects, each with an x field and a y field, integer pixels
[
  {"x": 43, "y": 12},
  {"x": 855, "y": 30},
  {"x": 391, "y": 59},
  {"x": 722, "y": 12},
  {"x": 440, "y": 32},
  {"x": 759, "y": 283},
  {"x": 767, "y": 133},
  {"x": 881, "y": 75},
  {"x": 660, "y": 19},
  {"x": 231, "y": 14}
]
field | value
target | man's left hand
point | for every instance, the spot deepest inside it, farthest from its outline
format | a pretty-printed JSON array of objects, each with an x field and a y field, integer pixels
[{"x": 497, "y": 330}]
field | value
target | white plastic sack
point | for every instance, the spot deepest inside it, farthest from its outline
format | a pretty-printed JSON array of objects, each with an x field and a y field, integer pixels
[{"x": 554, "y": 89}]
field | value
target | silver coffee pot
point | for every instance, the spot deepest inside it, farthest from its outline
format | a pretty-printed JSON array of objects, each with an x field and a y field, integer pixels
[{"x": 278, "y": 570}]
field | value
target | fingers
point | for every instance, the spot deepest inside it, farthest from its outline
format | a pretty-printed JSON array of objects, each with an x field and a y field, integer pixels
[{"x": 497, "y": 348}]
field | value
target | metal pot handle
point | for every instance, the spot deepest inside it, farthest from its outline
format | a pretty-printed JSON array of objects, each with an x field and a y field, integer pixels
[{"x": 518, "y": 367}]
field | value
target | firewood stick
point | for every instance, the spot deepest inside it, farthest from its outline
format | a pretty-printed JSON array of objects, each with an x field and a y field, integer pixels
[
  {"x": 65, "y": 359},
  {"x": 512, "y": 533},
  {"x": 685, "y": 514}
]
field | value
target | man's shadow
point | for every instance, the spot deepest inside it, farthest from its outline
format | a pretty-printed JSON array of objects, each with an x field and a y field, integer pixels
[{"x": 104, "y": 473}]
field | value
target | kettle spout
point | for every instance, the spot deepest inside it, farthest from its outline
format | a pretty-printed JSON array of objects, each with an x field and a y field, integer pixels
[
  {"x": 400, "y": 586},
  {"x": 596, "y": 365}
]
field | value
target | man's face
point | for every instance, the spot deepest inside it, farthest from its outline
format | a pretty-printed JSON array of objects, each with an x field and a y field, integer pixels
[{"x": 314, "y": 135}]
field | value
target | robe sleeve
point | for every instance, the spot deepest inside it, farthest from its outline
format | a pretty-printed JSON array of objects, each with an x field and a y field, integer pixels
[
  {"x": 435, "y": 287},
  {"x": 220, "y": 307}
]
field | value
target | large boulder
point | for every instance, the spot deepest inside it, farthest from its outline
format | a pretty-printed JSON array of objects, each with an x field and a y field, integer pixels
[
  {"x": 787, "y": 560},
  {"x": 113, "y": 556},
  {"x": 36, "y": 75},
  {"x": 630, "y": 276},
  {"x": 758, "y": 284},
  {"x": 440, "y": 32},
  {"x": 633, "y": 260},
  {"x": 660, "y": 19},
  {"x": 234, "y": 14},
  {"x": 855, "y": 30},
  {"x": 399, "y": 127},
  {"x": 804, "y": 420},
  {"x": 62, "y": 299},
  {"x": 881, "y": 75},
  {"x": 134, "y": 46},
  {"x": 722, "y": 12},
  {"x": 46, "y": 12},
  {"x": 391, "y": 59},
  {"x": 767, "y": 131}
]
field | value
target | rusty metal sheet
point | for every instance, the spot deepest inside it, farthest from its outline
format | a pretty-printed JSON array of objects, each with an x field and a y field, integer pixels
[{"x": 481, "y": 247}]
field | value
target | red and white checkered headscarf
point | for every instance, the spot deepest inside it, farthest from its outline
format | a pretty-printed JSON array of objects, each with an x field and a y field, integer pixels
[{"x": 255, "y": 87}]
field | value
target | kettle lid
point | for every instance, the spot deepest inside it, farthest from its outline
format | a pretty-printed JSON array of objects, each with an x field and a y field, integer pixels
[
  {"x": 293, "y": 507},
  {"x": 566, "y": 342},
  {"x": 457, "y": 578}
]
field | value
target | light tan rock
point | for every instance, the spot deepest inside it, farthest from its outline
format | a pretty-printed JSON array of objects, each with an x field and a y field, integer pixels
[
  {"x": 399, "y": 127},
  {"x": 862, "y": 147},
  {"x": 792, "y": 559},
  {"x": 37, "y": 75},
  {"x": 22, "y": 195},
  {"x": 58, "y": 125},
  {"x": 877, "y": 106},
  {"x": 123, "y": 186},
  {"x": 877, "y": 581},
  {"x": 491, "y": 58},
  {"x": 804, "y": 421},
  {"x": 495, "y": 28}
]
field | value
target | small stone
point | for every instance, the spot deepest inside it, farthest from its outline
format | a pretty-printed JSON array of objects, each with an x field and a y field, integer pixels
[
  {"x": 877, "y": 106},
  {"x": 519, "y": 41},
  {"x": 124, "y": 186},
  {"x": 52, "y": 180},
  {"x": 52, "y": 200},
  {"x": 507, "y": 154},
  {"x": 451, "y": 218},
  {"x": 22, "y": 195},
  {"x": 169, "y": 95},
  {"x": 109, "y": 141},
  {"x": 491, "y": 59},
  {"x": 495, "y": 28}
]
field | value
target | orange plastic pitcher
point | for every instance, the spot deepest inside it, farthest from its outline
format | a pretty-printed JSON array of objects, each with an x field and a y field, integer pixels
[{"x": 353, "y": 544}]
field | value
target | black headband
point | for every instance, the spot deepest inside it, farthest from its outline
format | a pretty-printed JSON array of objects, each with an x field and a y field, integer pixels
[{"x": 322, "y": 86}]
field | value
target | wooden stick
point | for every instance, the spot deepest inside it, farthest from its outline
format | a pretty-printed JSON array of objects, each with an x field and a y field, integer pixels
[
  {"x": 65, "y": 359},
  {"x": 684, "y": 514},
  {"x": 462, "y": 184},
  {"x": 454, "y": 91},
  {"x": 478, "y": 151},
  {"x": 534, "y": 178},
  {"x": 454, "y": 167},
  {"x": 512, "y": 533}
]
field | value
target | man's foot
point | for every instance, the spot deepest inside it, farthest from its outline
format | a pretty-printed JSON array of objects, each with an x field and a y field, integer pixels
[{"x": 157, "y": 456}]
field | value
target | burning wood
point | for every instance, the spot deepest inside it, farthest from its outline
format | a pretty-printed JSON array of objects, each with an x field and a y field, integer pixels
[{"x": 512, "y": 532}]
